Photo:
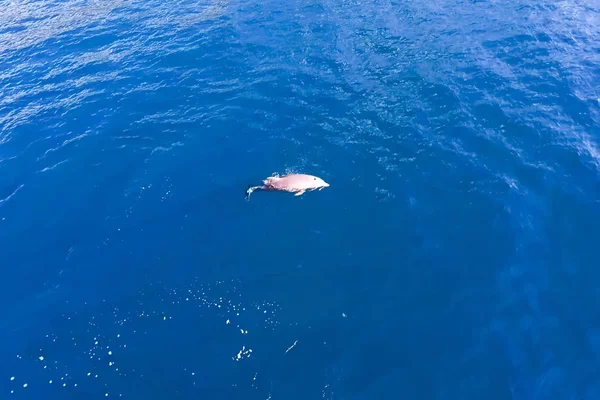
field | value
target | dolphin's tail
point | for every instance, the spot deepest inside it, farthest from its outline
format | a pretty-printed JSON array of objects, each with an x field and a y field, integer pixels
[{"x": 250, "y": 190}]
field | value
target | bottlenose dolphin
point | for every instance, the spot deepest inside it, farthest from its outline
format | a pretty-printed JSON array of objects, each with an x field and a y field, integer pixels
[{"x": 293, "y": 183}]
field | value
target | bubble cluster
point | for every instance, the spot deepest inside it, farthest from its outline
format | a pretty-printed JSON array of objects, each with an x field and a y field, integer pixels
[
  {"x": 243, "y": 353},
  {"x": 97, "y": 348}
]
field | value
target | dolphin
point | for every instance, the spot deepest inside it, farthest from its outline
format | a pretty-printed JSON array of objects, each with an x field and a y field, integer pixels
[{"x": 293, "y": 183}]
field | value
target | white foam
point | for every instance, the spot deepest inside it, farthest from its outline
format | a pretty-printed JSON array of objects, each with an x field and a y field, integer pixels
[{"x": 12, "y": 378}]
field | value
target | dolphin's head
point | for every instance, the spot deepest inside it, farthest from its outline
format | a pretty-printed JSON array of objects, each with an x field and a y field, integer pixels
[{"x": 320, "y": 183}]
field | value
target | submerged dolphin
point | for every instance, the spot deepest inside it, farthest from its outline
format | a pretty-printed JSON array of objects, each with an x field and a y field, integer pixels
[{"x": 293, "y": 183}]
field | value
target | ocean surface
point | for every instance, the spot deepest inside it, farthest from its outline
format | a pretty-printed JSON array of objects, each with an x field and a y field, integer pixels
[{"x": 454, "y": 256}]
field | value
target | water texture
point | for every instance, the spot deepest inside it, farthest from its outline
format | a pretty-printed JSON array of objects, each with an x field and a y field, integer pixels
[{"x": 453, "y": 257}]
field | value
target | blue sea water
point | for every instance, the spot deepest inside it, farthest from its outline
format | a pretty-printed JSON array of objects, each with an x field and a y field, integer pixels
[{"x": 453, "y": 257}]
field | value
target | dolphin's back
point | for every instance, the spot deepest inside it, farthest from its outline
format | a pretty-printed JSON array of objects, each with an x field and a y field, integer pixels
[{"x": 293, "y": 182}]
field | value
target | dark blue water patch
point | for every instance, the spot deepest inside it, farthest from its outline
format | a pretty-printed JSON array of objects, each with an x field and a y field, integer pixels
[{"x": 452, "y": 256}]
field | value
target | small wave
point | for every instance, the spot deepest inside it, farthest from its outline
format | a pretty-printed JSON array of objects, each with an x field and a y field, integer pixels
[
  {"x": 589, "y": 148},
  {"x": 65, "y": 143},
  {"x": 54, "y": 166},
  {"x": 162, "y": 148},
  {"x": 11, "y": 195},
  {"x": 513, "y": 184},
  {"x": 7, "y": 159}
]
